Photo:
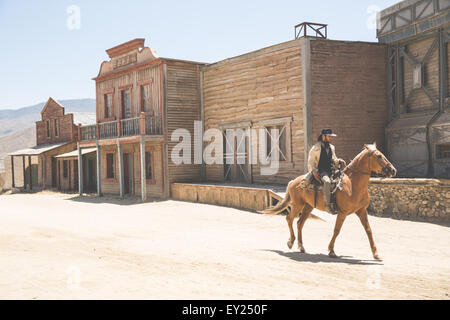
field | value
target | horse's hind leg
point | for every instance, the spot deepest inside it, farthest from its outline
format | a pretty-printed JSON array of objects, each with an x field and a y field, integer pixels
[
  {"x": 290, "y": 220},
  {"x": 301, "y": 222}
]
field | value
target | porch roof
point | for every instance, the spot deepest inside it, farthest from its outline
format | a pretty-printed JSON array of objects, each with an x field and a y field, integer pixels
[
  {"x": 37, "y": 150},
  {"x": 74, "y": 154}
]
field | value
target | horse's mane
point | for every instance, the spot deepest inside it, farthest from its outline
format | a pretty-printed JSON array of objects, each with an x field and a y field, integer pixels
[{"x": 355, "y": 162}]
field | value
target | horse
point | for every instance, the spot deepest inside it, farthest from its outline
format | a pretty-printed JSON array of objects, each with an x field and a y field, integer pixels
[{"x": 353, "y": 198}]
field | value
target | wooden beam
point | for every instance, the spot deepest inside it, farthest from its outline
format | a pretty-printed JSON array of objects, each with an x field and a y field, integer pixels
[
  {"x": 121, "y": 178},
  {"x": 99, "y": 171},
  {"x": 13, "y": 184},
  {"x": 24, "y": 175},
  {"x": 143, "y": 171},
  {"x": 80, "y": 171}
]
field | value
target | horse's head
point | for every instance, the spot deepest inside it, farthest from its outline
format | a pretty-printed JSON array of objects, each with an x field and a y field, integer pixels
[{"x": 378, "y": 162}]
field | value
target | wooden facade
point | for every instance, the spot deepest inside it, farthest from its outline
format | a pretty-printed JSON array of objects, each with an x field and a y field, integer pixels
[
  {"x": 141, "y": 100},
  {"x": 417, "y": 33},
  {"x": 300, "y": 87}
]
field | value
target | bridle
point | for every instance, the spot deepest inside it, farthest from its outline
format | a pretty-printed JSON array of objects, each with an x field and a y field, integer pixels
[{"x": 370, "y": 172}]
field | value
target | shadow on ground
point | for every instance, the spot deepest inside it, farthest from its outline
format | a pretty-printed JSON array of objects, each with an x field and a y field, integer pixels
[
  {"x": 116, "y": 200},
  {"x": 322, "y": 258}
]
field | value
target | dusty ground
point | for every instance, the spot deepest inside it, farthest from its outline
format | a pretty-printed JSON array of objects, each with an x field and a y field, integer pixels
[{"x": 55, "y": 246}]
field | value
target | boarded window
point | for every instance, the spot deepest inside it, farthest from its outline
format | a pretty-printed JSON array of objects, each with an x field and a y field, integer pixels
[
  {"x": 276, "y": 141},
  {"x": 65, "y": 169},
  {"x": 108, "y": 105},
  {"x": 48, "y": 128},
  {"x": 145, "y": 98},
  {"x": 56, "y": 125},
  {"x": 443, "y": 151},
  {"x": 110, "y": 165},
  {"x": 148, "y": 166}
]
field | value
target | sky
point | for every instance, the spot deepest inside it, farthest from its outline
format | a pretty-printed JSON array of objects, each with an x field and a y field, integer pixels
[{"x": 54, "y": 48}]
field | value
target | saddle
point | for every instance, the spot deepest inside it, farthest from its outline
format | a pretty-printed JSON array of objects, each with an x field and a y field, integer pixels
[{"x": 310, "y": 183}]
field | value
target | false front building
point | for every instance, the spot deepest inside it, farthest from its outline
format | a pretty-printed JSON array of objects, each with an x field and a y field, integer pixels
[{"x": 141, "y": 100}]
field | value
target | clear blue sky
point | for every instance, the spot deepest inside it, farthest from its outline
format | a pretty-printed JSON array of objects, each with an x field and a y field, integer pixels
[{"x": 41, "y": 56}]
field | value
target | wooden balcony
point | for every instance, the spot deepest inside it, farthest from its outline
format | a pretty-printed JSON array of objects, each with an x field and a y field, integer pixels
[{"x": 142, "y": 125}]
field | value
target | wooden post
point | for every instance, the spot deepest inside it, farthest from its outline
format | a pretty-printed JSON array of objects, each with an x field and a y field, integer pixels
[
  {"x": 97, "y": 131},
  {"x": 44, "y": 172},
  {"x": 119, "y": 129},
  {"x": 30, "y": 185},
  {"x": 13, "y": 183},
  {"x": 99, "y": 170},
  {"x": 120, "y": 155},
  {"x": 79, "y": 132},
  {"x": 80, "y": 171},
  {"x": 142, "y": 123},
  {"x": 24, "y": 175},
  {"x": 143, "y": 173}
]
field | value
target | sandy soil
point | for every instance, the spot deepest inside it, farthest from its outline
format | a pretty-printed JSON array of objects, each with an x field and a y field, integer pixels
[{"x": 55, "y": 246}]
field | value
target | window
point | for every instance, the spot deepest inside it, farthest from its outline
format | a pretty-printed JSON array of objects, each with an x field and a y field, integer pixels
[
  {"x": 48, "y": 128},
  {"x": 56, "y": 125},
  {"x": 443, "y": 151},
  {"x": 148, "y": 166},
  {"x": 110, "y": 165},
  {"x": 126, "y": 104},
  {"x": 278, "y": 140},
  {"x": 145, "y": 98},
  {"x": 65, "y": 170},
  {"x": 108, "y": 105}
]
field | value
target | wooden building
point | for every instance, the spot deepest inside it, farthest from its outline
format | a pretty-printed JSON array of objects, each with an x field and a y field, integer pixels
[
  {"x": 141, "y": 100},
  {"x": 416, "y": 33},
  {"x": 299, "y": 87},
  {"x": 56, "y": 133}
]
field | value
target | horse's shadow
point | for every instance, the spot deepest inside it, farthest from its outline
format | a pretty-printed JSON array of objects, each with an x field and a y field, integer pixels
[{"x": 322, "y": 258}]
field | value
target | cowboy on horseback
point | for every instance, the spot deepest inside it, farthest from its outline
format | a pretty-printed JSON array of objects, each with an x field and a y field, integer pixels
[{"x": 322, "y": 159}]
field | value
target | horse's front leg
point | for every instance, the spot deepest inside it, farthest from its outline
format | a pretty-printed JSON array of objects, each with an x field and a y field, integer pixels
[
  {"x": 337, "y": 229},
  {"x": 364, "y": 217}
]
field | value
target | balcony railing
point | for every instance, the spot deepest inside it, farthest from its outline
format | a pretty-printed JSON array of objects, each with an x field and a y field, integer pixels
[
  {"x": 153, "y": 125},
  {"x": 145, "y": 125},
  {"x": 130, "y": 127},
  {"x": 89, "y": 132},
  {"x": 108, "y": 130}
]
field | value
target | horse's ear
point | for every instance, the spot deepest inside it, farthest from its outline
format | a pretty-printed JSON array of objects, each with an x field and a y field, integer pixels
[{"x": 375, "y": 144}]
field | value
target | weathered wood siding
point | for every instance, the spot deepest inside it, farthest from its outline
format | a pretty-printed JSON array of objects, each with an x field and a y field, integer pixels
[
  {"x": 262, "y": 85},
  {"x": 183, "y": 108},
  {"x": 133, "y": 78},
  {"x": 112, "y": 186},
  {"x": 348, "y": 93}
]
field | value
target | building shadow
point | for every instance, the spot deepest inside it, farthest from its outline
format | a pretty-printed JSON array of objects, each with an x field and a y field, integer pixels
[
  {"x": 434, "y": 220},
  {"x": 109, "y": 199},
  {"x": 322, "y": 258}
]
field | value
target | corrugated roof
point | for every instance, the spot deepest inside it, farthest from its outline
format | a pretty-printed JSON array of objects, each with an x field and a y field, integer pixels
[
  {"x": 37, "y": 150},
  {"x": 75, "y": 153},
  {"x": 85, "y": 118}
]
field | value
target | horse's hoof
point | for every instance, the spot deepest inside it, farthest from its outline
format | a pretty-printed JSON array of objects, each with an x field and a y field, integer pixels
[
  {"x": 377, "y": 257},
  {"x": 332, "y": 255},
  {"x": 290, "y": 244},
  {"x": 301, "y": 248}
]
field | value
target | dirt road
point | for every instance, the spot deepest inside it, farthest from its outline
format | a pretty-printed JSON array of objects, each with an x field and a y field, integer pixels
[{"x": 55, "y": 246}]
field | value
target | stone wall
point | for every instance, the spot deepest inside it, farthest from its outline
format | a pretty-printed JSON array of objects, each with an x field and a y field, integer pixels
[{"x": 416, "y": 199}]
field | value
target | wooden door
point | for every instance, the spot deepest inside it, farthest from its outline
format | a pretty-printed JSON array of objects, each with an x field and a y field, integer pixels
[
  {"x": 54, "y": 172},
  {"x": 236, "y": 162}
]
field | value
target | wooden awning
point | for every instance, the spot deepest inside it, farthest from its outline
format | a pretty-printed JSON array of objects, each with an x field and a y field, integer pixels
[
  {"x": 37, "y": 150},
  {"x": 74, "y": 154}
]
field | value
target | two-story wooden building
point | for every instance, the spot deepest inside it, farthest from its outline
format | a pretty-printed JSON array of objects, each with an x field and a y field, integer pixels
[
  {"x": 56, "y": 133},
  {"x": 141, "y": 100}
]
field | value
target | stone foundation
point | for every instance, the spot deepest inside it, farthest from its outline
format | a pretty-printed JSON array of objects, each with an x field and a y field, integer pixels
[{"x": 416, "y": 199}]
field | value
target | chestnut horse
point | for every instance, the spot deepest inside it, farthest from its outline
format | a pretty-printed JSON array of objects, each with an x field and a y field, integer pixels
[{"x": 354, "y": 198}]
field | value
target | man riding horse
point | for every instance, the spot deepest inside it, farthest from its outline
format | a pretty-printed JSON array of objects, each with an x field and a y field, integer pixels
[{"x": 322, "y": 159}]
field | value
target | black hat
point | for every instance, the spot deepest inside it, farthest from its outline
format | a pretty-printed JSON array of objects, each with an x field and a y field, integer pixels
[{"x": 328, "y": 132}]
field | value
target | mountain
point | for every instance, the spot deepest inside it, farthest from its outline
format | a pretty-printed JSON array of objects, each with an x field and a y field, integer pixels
[
  {"x": 18, "y": 129},
  {"x": 16, "y": 120}
]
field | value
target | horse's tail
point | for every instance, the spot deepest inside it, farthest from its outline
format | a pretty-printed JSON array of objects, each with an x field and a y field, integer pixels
[{"x": 281, "y": 206}]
